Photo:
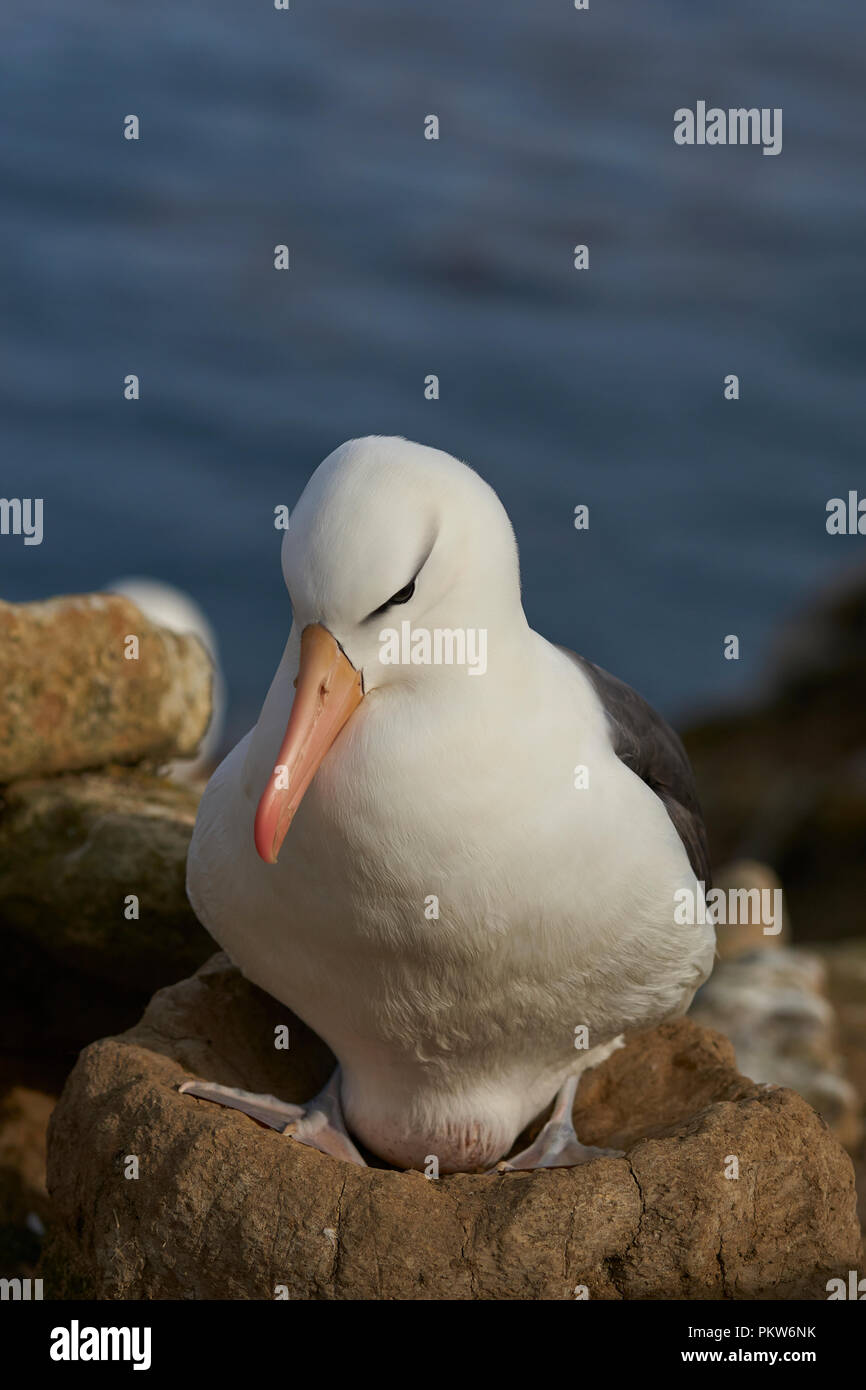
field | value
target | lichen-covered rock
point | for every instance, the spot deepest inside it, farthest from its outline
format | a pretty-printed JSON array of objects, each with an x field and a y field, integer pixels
[
  {"x": 771, "y": 999},
  {"x": 773, "y": 1006},
  {"x": 72, "y": 698},
  {"x": 728, "y": 1190},
  {"x": 79, "y": 956}
]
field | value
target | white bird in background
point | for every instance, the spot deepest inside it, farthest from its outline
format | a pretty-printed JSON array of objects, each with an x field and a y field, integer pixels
[
  {"x": 176, "y": 610},
  {"x": 373, "y": 794}
]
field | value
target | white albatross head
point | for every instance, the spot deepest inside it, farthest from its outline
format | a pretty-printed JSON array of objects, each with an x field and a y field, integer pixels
[{"x": 386, "y": 532}]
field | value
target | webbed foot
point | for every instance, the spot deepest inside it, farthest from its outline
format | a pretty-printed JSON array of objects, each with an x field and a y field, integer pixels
[
  {"x": 319, "y": 1123},
  {"x": 557, "y": 1144}
]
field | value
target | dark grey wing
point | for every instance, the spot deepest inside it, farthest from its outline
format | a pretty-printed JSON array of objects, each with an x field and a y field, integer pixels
[{"x": 645, "y": 743}]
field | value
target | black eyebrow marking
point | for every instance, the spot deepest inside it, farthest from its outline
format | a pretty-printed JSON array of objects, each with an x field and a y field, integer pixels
[{"x": 387, "y": 604}]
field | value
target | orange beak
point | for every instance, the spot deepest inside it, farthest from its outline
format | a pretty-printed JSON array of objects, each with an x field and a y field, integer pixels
[{"x": 327, "y": 690}]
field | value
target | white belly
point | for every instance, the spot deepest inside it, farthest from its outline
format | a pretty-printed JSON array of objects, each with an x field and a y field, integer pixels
[{"x": 555, "y": 914}]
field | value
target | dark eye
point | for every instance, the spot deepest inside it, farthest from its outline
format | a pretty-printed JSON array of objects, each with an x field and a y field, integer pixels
[{"x": 402, "y": 596}]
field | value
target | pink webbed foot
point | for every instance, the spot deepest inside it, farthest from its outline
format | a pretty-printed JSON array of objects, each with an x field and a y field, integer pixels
[
  {"x": 319, "y": 1123},
  {"x": 557, "y": 1144}
]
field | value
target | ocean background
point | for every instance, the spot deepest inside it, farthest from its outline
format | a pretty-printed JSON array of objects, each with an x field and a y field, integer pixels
[{"x": 453, "y": 257}]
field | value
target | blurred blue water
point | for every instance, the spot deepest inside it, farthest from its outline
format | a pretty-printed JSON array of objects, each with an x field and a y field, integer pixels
[{"x": 410, "y": 257}]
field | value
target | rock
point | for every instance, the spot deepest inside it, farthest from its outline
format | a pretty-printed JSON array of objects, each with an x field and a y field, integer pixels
[
  {"x": 737, "y": 938},
  {"x": 845, "y": 964},
  {"x": 26, "y": 1101},
  {"x": 177, "y": 610},
  {"x": 223, "y": 1208},
  {"x": 783, "y": 780},
  {"x": 71, "y": 698},
  {"x": 72, "y": 851},
  {"x": 772, "y": 1004},
  {"x": 826, "y": 644},
  {"x": 771, "y": 1000}
]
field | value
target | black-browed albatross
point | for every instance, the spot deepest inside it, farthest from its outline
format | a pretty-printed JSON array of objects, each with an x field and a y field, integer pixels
[{"x": 403, "y": 855}]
